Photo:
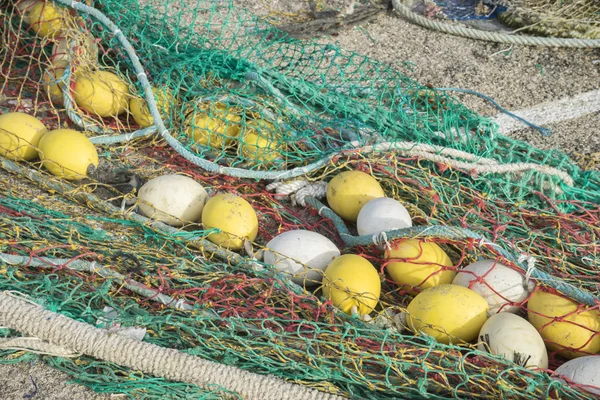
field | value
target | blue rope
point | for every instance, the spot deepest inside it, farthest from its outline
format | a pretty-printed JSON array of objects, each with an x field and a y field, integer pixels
[
  {"x": 452, "y": 233},
  {"x": 544, "y": 131}
]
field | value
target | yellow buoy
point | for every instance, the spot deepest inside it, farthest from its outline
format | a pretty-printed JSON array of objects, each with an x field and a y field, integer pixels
[
  {"x": 234, "y": 216},
  {"x": 416, "y": 263},
  {"x": 67, "y": 153},
  {"x": 570, "y": 332},
  {"x": 139, "y": 107},
  {"x": 50, "y": 78},
  {"x": 349, "y": 191},
  {"x": 46, "y": 19},
  {"x": 23, "y": 7},
  {"x": 260, "y": 147},
  {"x": 352, "y": 281},
  {"x": 19, "y": 135},
  {"x": 449, "y": 313},
  {"x": 101, "y": 93},
  {"x": 215, "y": 128}
]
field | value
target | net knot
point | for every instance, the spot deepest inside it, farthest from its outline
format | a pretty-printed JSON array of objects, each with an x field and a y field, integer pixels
[
  {"x": 530, "y": 260},
  {"x": 382, "y": 239},
  {"x": 93, "y": 267},
  {"x": 317, "y": 190}
]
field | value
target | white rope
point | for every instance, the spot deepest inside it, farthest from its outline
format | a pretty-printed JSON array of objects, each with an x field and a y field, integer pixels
[
  {"x": 299, "y": 189},
  {"x": 382, "y": 239},
  {"x": 171, "y": 364},
  {"x": 317, "y": 190},
  {"x": 480, "y": 165},
  {"x": 287, "y": 188},
  {"x": 457, "y": 30},
  {"x": 37, "y": 346},
  {"x": 529, "y": 285}
]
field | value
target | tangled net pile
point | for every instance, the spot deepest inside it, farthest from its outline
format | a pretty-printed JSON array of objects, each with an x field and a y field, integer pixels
[
  {"x": 277, "y": 109},
  {"x": 551, "y": 18}
]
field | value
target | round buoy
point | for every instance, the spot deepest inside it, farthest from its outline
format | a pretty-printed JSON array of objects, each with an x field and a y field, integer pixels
[
  {"x": 45, "y": 19},
  {"x": 216, "y": 128},
  {"x": 303, "y": 254},
  {"x": 449, "y": 313},
  {"x": 415, "y": 263},
  {"x": 565, "y": 326},
  {"x": 352, "y": 281},
  {"x": 20, "y": 134},
  {"x": 382, "y": 215},
  {"x": 234, "y": 216},
  {"x": 139, "y": 107},
  {"x": 582, "y": 371},
  {"x": 349, "y": 191},
  {"x": 172, "y": 199},
  {"x": 51, "y": 77},
  {"x": 101, "y": 93},
  {"x": 515, "y": 339},
  {"x": 67, "y": 154},
  {"x": 260, "y": 144},
  {"x": 499, "y": 285}
]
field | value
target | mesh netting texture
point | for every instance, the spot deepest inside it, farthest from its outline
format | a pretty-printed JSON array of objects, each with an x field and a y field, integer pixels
[
  {"x": 578, "y": 19},
  {"x": 210, "y": 92}
]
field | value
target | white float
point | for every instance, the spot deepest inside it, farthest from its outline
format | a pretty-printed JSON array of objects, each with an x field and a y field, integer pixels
[
  {"x": 301, "y": 253},
  {"x": 172, "y": 199},
  {"x": 514, "y": 338},
  {"x": 499, "y": 284},
  {"x": 381, "y": 215}
]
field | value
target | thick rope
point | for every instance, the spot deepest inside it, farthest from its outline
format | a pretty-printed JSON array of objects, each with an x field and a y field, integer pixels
[
  {"x": 171, "y": 364},
  {"x": 37, "y": 346},
  {"x": 457, "y": 30}
]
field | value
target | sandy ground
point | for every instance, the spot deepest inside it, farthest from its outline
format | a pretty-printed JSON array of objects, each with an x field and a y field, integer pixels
[{"x": 515, "y": 76}]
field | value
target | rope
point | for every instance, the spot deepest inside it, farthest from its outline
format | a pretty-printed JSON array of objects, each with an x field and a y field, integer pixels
[
  {"x": 158, "y": 361},
  {"x": 480, "y": 164},
  {"x": 37, "y": 346},
  {"x": 298, "y": 190},
  {"x": 544, "y": 131},
  {"x": 456, "y": 30}
]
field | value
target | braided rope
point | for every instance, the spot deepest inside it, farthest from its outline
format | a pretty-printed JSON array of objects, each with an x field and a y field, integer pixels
[
  {"x": 456, "y": 30},
  {"x": 37, "y": 346},
  {"x": 57, "y": 329}
]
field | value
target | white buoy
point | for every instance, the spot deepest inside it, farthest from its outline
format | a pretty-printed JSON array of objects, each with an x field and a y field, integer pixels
[
  {"x": 582, "y": 371},
  {"x": 381, "y": 215},
  {"x": 514, "y": 338},
  {"x": 498, "y": 284},
  {"x": 172, "y": 199},
  {"x": 303, "y": 254}
]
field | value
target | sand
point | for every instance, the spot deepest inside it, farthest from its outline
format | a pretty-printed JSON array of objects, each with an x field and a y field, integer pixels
[{"x": 515, "y": 76}]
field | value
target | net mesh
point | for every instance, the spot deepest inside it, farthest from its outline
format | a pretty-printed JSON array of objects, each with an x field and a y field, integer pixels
[
  {"x": 237, "y": 94},
  {"x": 563, "y": 18},
  {"x": 552, "y": 18}
]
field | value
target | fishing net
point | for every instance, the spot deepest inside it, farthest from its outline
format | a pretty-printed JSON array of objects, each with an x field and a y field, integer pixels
[
  {"x": 568, "y": 19},
  {"x": 240, "y": 107},
  {"x": 552, "y": 18}
]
